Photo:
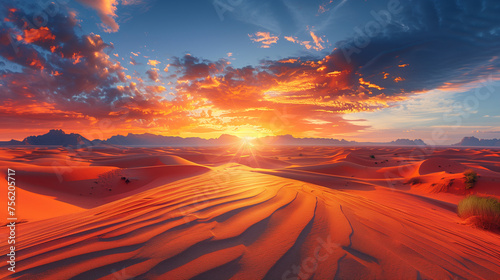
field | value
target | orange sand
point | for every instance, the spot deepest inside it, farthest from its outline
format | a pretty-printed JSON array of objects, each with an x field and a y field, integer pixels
[{"x": 249, "y": 213}]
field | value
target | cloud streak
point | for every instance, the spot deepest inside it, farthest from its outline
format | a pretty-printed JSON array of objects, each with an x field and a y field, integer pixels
[
  {"x": 316, "y": 44},
  {"x": 265, "y": 39}
]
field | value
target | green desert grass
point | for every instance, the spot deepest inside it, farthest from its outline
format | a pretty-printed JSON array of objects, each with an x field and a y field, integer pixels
[
  {"x": 480, "y": 211},
  {"x": 470, "y": 178}
]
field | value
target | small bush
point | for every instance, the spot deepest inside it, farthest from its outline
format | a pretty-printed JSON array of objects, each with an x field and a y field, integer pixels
[
  {"x": 414, "y": 181},
  {"x": 470, "y": 178},
  {"x": 481, "y": 211},
  {"x": 372, "y": 156}
]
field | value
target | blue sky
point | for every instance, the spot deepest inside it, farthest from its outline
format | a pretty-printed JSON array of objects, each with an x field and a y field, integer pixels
[{"x": 162, "y": 29}]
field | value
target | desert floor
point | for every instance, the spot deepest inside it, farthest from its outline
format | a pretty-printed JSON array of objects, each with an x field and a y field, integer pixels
[{"x": 248, "y": 212}]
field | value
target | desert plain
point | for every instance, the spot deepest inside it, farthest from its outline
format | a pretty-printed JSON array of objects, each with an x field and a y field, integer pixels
[{"x": 249, "y": 212}]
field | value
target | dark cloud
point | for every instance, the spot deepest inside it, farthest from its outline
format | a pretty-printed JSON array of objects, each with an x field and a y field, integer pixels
[
  {"x": 134, "y": 62},
  {"x": 438, "y": 42},
  {"x": 153, "y": 74},
  {"x": 81, "y": 62},
  {"x": 194, "y": 68}
]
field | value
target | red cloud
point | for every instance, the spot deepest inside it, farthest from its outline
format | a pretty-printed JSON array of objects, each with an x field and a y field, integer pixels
[{"x": 33, "y": 35}]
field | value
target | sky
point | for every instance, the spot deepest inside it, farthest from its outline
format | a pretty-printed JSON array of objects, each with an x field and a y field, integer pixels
[{"x": 362, "y": 70}]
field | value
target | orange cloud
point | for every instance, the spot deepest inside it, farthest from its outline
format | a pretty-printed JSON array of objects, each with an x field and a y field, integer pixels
[
  {"x": 264, "y": 38},
  {"x": 36, "y": 63},
  {"x": 290, "y": 60},
  {"x": 303, "y": 90},
  {"x": 333, "y": 74},
  {"x": 324, "y": 7},
  {"x": 291, "y": 39},
  {"x": 106, "y": 9},
  {"x": 370, "y": 85},
  {"x": 318, "y": 41},
  {"x": 155, "y": 89},
  {"x": 153, "y": 62},
  {"x": 41, "y": 34},
  {"x": 76, "y": 58}
]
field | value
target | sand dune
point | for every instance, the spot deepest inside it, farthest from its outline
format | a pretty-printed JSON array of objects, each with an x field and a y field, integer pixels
[
  {"x": 101, "y": 180},
  {"x": 142, "y": 160},
  {"x": 36, "y": 206},
  {"x": 437, "y": 164},
  {"x": 343, "y": 218}
]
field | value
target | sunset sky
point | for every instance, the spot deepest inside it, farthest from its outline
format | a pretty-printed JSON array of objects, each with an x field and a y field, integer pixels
[{"x": 360, "y": 70}]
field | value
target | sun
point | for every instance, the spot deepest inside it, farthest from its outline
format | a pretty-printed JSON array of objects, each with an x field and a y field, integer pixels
[
  {"x": 247, "y": 141},
  {"x": 247, "y": 138}
]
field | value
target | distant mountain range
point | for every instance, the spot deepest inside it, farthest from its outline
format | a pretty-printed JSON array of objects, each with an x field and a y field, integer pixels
[
  {"x": 475, "y": 142},
  {"x": 290, "y": 140},
  {"x": 148, "y": 139},
  {"x": 57, "y": 137},
  {"x": 11, "y": 143}
]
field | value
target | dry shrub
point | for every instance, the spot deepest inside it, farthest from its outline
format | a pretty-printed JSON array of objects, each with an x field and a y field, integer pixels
[{"x": 483, "y": 212}]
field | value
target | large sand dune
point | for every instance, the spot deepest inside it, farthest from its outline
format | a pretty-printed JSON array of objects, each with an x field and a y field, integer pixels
[{"x": 280, "y": 213}]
